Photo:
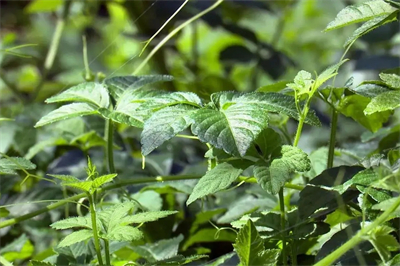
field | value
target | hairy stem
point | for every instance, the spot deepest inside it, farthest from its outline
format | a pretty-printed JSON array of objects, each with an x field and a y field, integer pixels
[
  {"x": 359, "y": 237},
  {"x": 172, "y": 33},
  {"x": 52, "y": 52},
  {"x": 283, "y": 225},
  {"x": 94, "y": 228},
  {"x": 332, "y": 138},
  {"x": 109, "y": 130}
]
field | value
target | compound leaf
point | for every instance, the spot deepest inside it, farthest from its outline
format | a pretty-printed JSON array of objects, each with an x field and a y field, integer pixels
[
  {"x": 164, "y": 125},
  {"x": 75, "y": 237},
  {"x": 218, "y": 178},
  {"x": 383, "y": 102},
  {"x": 65, "y": 112},
  {"x": 90, "y": 92},
  {"x": 360, "y": 13}
]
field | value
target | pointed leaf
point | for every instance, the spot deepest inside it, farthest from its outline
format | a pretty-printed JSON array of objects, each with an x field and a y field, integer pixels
[
  {"x": 250, "y": 247},
  {"x": 360, "y": 13},
  {"x": 16, "y": 163},
  {"x": 101, "y": 180},
  {"x": 233, "y": 129},
  {"x": 81, "y": 221},
  {"x": 386, "y": 101},
  {"x": 124, "y": 233},
  {"x": 117, "y": 85},
  {"x": 65, "y": 112},
  {"x": 392, "y": 80},
  {"x": 83, "y": 185},
  {"x": 66, "y": 178},
  {"x": 75, "y": 237},
  {"x": 115, "y": 214},
  {"x": 383, "y": 242},
  {"x": 327, "y": 74},
  {"x": 371, "y": 25},
  {"x": 164, "y": 125},
  {"x": 144, "y": 217},
  {"x": 90, "y": 92},
  {"x": 218, "y": 178}
]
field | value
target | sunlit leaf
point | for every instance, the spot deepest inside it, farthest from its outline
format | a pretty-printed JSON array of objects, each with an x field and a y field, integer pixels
[
  {"x": 144, "y": 217},
  {"x": 76, "y": 237},
  {"x": 392, "y": 80},
  {"x": 360, "y": 13},
  {"x": 383, "y": 102},
  {"x": 101, "y": 180},
  {"x": 124, "y": 233},
  {"x": 81, "y": 221}
]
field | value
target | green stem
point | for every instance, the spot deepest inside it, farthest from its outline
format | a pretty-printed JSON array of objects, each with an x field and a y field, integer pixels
[
  {"x": 359, "y": 237},
  {"x": 172, "y": 33},
  {"x": 109, "y": 130},
  {"x": 94, "y": 228},
  {"x": 107, "y": 251},
  {"x": 62, "y": 202},
  {"x": 88, "y": 74},
  {"x": 283, "y": 225},
  {"x": 5, "y": 262},
  {"x": 332, "y": 138},
  {"x": 301, "y": 122},
  {"x": 51, "y": 54}
]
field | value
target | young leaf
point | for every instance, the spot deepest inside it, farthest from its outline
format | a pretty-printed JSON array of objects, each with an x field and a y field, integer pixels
[
  {"x": 81, "y": 221},
  {"x": 302, "y": 82},
  {"x": 164, "y": 125},
  {"x": 272, "y": 177},
  {"x": 218, "y": 178},
  {"x": 101, "y": 180},
  {"x": 65, "y": 112},
  {"x": 383, "y": 242},
  {"x": 124, "y": 233},
  {"x": 360, "y": 13},
  {"x": 76, "y": 237},
  {"x": 117, "y": 85},
  {"x": 383, "y": 102},
  {"x": 371, "y": 25},
  {"x": 144, "y": 217},
  {"x": 392, "y": 80},
  {"x": 66, "y": 178},
  {"x": 9, "y": 165},
  {"x": 327, "y": 74},
  {"x": 250, "y": 247}
]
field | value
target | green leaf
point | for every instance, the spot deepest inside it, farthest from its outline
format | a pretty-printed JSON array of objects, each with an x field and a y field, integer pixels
[
  {"x": 171, "y": 99},
  {"x": 81, "y": 221},
  {"x": 124, "y": 233},
  {"x": 41, "y": 145},
  {"x": 392, "y": 80},
  {"x": 250, "y": 247},
  {"x": 371, "y": 25},
  {"x": 117, "y": 85},
  {"x": 302, "y": 82},
  {"x": 219, "y": 178},
  {"x": 272, "y": 177},
  {"x": 221, "y": 260},
  {"x": 66, "y": 178},
  {"x": 41, "y": 263},
  {"x": 384, "y": 205},
  {"x": 274, "y": 87},
  {"x": 370, "y": 90},
  {"x": 127, "y": 108},
  {"x": 164, "y": 125},
  {"x": 43, "y": 6},
  {"x": 163, "y": 249},
  {"x": 269, "y": 144},
  {"x": 177, "y": 260},
  {"x": 101, "y": 180},
  {"x": 144, "y": 217},
  {"x": 113, "y": 215},
  {"x": 66, "y": 112},
  {"x": 383, "y": 242},
  {"x": 76, "y": 237},
  {"x": 207, "y": 235},
  {"x": 90, "y": 92},
  {"x": 360, "y": 13},
  {"x": 386, "y": 101},
  {"x": 233, "y": 129},
  {"x": 4, "y": 212},
  {"x": 10, "y": 164},
  {"x": 327, "y": 74},
  {"x": 353, "y": 106}
]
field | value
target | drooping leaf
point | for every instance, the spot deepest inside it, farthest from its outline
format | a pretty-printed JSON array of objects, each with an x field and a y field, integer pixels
[
  {"x": 117, "y": 85},
  {"x": 371, "y": 25},
  {"x": 272, "y": 177},
  {"x": 165, "y": 124},
  {"x": 90, "y": 92},
  {"x": 76, "y": 237},
  {"x": 81, "y": 221},
  {"x": 383, "y": 242},
  {"x": 250, "y": 247},
  {"x": 383, "y": 102},
  {"x": 353, "y": 106},
  {"x": 360, "y": 13},
  {"x": 144, "y": 217},
  {"x": 10, "y": 164},
  {"x": 126, "y": 110},
  {"x": 218, "y": 179},
  {"x": 392, "y": 80},
  {"x": 66, "y": 112},
  {"x": 124, "y": 233}
]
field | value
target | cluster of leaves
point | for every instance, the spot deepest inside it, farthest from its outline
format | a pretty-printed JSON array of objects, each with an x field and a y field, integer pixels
[{"x": 345, "y": 214}]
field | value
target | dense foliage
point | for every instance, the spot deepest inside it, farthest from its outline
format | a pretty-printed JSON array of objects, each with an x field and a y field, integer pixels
[{"x": 244, "y": 136}]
